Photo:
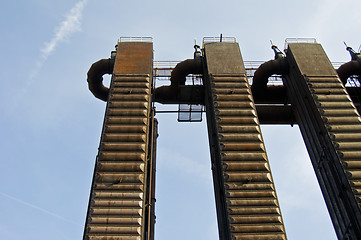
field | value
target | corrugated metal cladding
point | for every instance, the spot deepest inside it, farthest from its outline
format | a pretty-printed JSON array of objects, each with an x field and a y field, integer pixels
[
  {"x": 331, "y": 127},
  {"x": 120, "y": 190},
  {"x": 247, "y": 205},
  {"x": 343, "y": 123}
]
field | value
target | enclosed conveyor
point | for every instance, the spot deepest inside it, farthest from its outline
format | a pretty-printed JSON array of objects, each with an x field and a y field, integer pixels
[
  {"x": 121, "y": 204},
  {"x": 331, "y": 128},
  {"x": 246, "y": 200}
]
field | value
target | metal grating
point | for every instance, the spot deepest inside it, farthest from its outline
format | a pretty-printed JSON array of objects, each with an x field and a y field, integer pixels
[{"x": 190, "y": 113}]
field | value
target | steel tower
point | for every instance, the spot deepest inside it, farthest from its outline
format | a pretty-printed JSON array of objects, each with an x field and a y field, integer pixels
[{"x": 313, "y": 95}]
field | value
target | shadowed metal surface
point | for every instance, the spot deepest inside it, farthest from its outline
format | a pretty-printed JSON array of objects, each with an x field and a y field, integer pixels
[
  {"x": 246, "y": 201},
  {"x": 121, "y": 204},
  {"x": 331, "y": 128},
  {"x": 95, "y": 78}
]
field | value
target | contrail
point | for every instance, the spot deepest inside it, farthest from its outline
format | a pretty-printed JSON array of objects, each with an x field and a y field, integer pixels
[
  {"x": 71, "y": 24},
  {"x": 39, "y": 208}
]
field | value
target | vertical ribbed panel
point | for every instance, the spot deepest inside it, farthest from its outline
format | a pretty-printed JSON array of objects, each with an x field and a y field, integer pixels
[
  {"x": 252, "y": 205},
  {"x": 331, "y": 128},
  {"x": 343, "y": 124},
  {"x": 247, "y": 205},
  {"x": 117, "y": 208},
  {"x": 119, "y": 200}
]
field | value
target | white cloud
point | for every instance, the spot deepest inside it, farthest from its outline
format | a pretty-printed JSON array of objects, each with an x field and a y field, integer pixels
[{"x": 70, "y": 25}]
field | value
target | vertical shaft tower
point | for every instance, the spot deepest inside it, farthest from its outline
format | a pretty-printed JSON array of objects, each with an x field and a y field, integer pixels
[
  {"x": 331, "y": 128},
  {"x": 121, "y": 199},
  {"x": 246, "y": 201}
]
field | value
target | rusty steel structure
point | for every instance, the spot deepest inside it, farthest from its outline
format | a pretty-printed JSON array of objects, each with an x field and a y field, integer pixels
[
  {"x": 121, "y": 202},
  {"x": 237, "y": 100}
]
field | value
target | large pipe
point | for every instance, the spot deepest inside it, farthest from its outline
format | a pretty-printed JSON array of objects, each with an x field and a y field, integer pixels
[
  {"x": 350, "y": 68},
  {"x": 183, "y": 69},
  {"x": 165, "y": 94},
  {"x": 275, "y": 114},
  {"x": 95, "y": 78},
  {"x": 277, "y": 66},
  {"x": 186, "y": 94}
]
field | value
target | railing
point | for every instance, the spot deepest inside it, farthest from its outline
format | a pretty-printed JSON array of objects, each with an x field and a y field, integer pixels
[
  {"x": 252, "y": 64},
  {"x": 164, "y": 64},
  {"x": 135, "y": 39},
  {"x": 299, "y": 40},
  {"x": 190, "y": 113},
  {"x": 163, "y": 69},
  {"x": 218, "y": 39},
  {"x": 336, "y": 65}
]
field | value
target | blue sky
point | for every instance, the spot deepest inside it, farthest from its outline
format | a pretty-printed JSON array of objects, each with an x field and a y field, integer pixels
[{"x": 50, "y": 123}]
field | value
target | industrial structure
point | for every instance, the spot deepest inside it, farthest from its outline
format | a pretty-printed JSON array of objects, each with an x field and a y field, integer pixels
[{"x": 324, "y": 102}]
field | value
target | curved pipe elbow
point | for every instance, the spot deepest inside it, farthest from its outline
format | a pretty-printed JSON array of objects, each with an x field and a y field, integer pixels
[
  {"x": 266, "y": 70},
  {"x": 348, "y": 69},
  {"x": 95, "y": 78},
  {"x": 183, "y": 69}
]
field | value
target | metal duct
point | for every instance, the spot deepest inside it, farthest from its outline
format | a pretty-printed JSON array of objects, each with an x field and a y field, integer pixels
[
  {"x": 95, "y": 78},
  {"x": 350, "y": 68},
  {"x": 187, "y": 94},
  {"x": 266, "y": 70},
  {"x": 183, "y": 69},
  {"x": 178, "y": 76}
]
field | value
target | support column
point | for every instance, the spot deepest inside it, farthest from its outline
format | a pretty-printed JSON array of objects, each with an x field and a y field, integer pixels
[
  {"x": 331, "y": 128},
  {"x": 120, "y": 194},
  {"x": 246, "y": 200}
]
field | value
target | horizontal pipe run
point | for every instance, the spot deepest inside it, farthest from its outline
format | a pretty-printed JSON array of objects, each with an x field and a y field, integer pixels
[{"x": 186, "y": 94}]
